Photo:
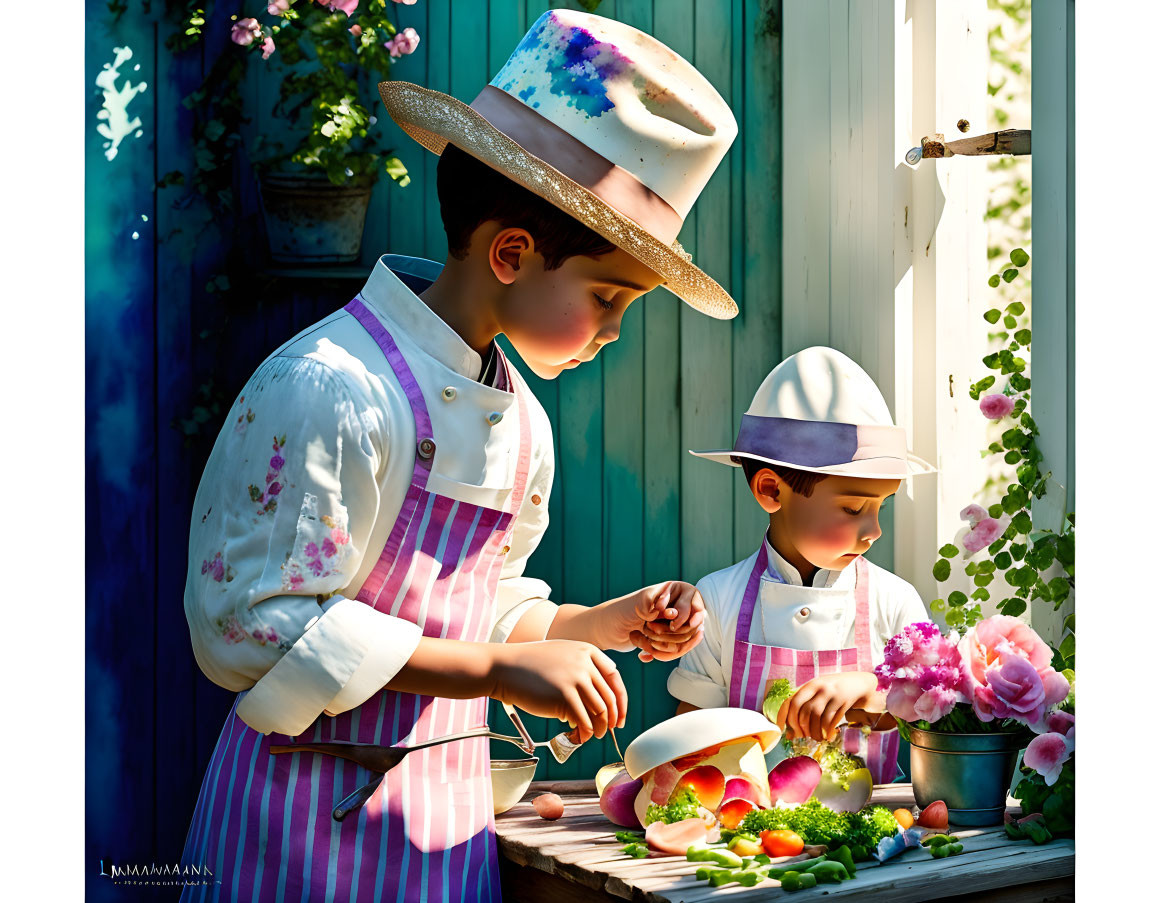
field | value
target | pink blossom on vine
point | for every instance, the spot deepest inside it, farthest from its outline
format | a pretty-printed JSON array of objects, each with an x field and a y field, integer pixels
[
  {"x": 278, "y": 7},
  {"x": 245, "y": 31},
  {"x": 996, "y": 406},
  {"x": 403, "y": 43},
  {"x": 267, "y": 47},
  {"x": 973, "y": 514},
  {"x": 982, "y": 535}
]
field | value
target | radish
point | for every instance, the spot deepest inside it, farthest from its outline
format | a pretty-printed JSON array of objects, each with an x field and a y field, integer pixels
[
  {"x": 617, "y": 801},
  {"x": 793, "y": 780}
]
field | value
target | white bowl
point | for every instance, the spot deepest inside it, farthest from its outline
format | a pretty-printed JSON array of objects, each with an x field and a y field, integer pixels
[
  {"x": 510, "y": 780},
  {"x": 691, "y": 732}
]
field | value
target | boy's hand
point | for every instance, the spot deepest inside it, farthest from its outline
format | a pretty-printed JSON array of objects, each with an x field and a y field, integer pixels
[
  {"x": 820, "y": 705},
  {"x": 564, "y": 679},
  {"x": 665, "y": 620}
]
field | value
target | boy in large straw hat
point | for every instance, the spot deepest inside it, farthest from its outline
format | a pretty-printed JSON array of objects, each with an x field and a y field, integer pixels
[
  {"x": 821, "y": 456},
  {"x": 361, "y": 530}
]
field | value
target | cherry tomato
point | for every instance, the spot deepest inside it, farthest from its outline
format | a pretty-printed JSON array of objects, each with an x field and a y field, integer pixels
[{"x": 781, "y": 843}]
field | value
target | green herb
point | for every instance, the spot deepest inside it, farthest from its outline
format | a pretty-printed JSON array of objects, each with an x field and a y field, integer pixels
[
  {"x": 818, "y": 824},
  {"x": 683, "y": 805},
  {"x": 778, "y": 693},
  {"x": 630, "y": 836}
]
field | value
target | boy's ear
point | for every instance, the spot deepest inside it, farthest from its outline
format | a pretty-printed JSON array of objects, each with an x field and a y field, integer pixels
[
  {"x": 506, "y": 252},
  {"x": 767, "y": 488}
]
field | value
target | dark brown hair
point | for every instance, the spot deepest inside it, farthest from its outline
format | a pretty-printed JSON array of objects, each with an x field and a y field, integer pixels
[
  {"x": 471, "y": 193},
  {"x": 801, "y": 482}
]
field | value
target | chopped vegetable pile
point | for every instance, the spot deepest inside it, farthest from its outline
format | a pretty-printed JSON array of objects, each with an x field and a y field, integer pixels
[
  {"x": 816, "y": 824},
  {"x": 839, "y": 765},
  {"x": 684, "y": 804}
]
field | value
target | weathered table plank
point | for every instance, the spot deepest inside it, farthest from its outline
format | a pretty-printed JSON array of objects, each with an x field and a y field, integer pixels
[{"x": 577, "y": 857}]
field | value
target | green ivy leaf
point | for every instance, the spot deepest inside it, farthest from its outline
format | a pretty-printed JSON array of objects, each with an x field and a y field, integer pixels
[
  {"x": 995, "y": 510},
  {"x": 970, "y": 568},
  {"x": 1019, "y": 257},
  {"x": 1024, "y": 337},
  {"x": 1010, "y": 321},
  {"x": 949, "y": 551},
  {"x": 981, "y": 595},
  {"x": 983, "y": 579},
  {"x": 1022, "y": 522},
  {"x": 994, "y": 282},
  {"x": 1016, "y": 308},
  {"x": 955, "y": 617},
  {"x": 1013, "y": 456},
  {"x": 937, "y": 606},
  {"x": 1068, "y": 649},
  {"x": 1009, "y": 275},
  {"x": 993, "y": 315},
  {"x": 957, "y": 598},
  {"x": 942, "y": 570},
  {"x": 1013, "y": 607},
  {"x": 1003, "y": 561}
]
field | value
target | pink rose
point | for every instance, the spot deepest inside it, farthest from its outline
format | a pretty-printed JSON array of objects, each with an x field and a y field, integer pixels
[
  {"x": 267, "y": 47},
  {"x": 1047, "y": 753},
  {"x": 982, "y": 535},
  {"x": 406, "y": 2},
  {"x": 973, "y": 514},
  {"x": 997, "y": 406},
  {"x": 982, "y": 646},
  {"x": 1013, "y": 690},
  {"x": 245, "y": 31},
  {"x": 346, "y": 6},
  {"x": 278, "y": 7}
]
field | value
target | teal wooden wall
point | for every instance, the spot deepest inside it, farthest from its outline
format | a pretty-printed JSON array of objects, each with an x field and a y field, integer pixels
[{"x": 630, "y": 506}]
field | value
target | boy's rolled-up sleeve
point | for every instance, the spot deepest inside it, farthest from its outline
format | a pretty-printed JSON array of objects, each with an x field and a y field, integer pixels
[
  {"x": 699, "y": 677},
  {"x": 281, "y": 524}
]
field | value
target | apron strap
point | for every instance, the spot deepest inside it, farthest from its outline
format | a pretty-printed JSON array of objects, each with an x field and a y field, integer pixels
[
  {"x": 520, "y": 484},
  {"x": 424, "y": 438},
  {"x": 746, "y": 617},
  {"x": 863, "y": 613}
]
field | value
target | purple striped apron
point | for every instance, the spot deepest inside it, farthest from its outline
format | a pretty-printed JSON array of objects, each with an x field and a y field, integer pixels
[
  {"x": 263, "y": 822},
  {"x": 756, "y": 667}
]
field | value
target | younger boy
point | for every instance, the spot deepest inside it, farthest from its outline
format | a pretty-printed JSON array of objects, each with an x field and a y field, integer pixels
[
  {"x": 821, "y": 456},
  {"x": 362, "y": 579}
]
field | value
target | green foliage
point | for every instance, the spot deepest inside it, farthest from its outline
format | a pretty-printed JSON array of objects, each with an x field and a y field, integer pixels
[
  {"x": 817, "y": 824},
  {"x": 683, "y": 805}
]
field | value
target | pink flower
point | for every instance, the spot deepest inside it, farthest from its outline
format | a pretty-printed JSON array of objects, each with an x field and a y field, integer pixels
[
  {"x": 1061, "y": 723},
  {"x": 406, "y": 2},
  {"x": 310, "y": 550},
  {"x": 933, "y": 704},
  {"x": 996, "y": 406},
  {"x": 356, "y": 29},
  {"x": 973, "y": 514},
  {"x": 276, "y": 462},
  {"x": 277, "y": 7},
  {"x": 328, "y": 548},
  {"x": 982, "y": 535},
  {"x": 982, "y": 646},
  {"x": 274, "y": 489},
  {"x": 901, "y": 700},
  {"x": 403, "y": 43},
  {"x": 346, "y": 6},
  {"x": 267, "y": 47},
  {"x": 217, "y": 569},
  {"x": 340, "y": 536},
  {"x": 1047, "y": 753},
  {"x": 245, "y": 31},
  {"x": 1013, "y": 690}
]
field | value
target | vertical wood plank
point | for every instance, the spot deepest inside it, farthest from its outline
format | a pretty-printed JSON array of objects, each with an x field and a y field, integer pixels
[
  {"x": 757, "y": 329},
  {"x": 439, "y": 69},
  {"x": 120, "y": 464},
  {"x": 706, "y": 395}
]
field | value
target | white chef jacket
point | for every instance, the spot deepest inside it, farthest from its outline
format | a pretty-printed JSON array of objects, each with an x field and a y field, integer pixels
[
  {"x": 702, "y": 676},
  {"x": 304, "y": 484}
]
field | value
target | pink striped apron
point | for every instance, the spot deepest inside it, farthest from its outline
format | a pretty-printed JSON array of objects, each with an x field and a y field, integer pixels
[
  {"x": 263, "y": 822},
  {"x": 756, "y": 667}
]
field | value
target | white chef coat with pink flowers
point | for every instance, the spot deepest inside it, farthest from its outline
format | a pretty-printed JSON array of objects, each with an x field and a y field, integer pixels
[{"x": 306, "y": 480}]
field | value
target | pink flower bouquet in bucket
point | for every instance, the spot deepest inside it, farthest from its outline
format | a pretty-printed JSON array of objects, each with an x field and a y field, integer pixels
[{"x": 994, "y": 688}]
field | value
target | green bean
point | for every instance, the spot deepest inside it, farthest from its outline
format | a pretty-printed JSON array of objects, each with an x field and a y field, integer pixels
[
  {"x": 793, "y": 881},
  {"x": 719, "y": 857},
  {"x": 778, "y": 871},
  {"x": 946, "y": 849},
  {"x": 829, "y": 872},
  {"x": 938, "y": 840},
  {"x": 704, "y": 873}
]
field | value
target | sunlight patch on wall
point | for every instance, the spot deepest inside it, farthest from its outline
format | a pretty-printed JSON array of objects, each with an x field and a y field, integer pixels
[{"x": 116, "y": 124}]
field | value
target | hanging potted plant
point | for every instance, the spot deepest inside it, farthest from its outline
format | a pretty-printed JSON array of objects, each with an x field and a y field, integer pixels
[{"x": 315, "y": 195}]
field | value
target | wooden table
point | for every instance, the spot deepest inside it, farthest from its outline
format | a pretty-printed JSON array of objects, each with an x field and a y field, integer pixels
[{"x": 577, "y": 858}]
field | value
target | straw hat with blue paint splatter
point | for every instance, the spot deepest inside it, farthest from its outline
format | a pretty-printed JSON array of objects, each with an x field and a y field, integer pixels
[{"x": 604, "y": 122}]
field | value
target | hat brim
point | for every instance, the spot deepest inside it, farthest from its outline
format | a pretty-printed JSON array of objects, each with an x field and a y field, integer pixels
[
  {"x": 868, "y": 468},
  {"x": 434, "y": 119}
]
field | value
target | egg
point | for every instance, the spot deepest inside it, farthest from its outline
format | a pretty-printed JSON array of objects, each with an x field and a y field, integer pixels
[{"x": 549, "y": 806}]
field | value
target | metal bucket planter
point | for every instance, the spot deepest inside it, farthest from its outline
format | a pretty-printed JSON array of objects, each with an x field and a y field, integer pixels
[
  {"x": 971, "y": 773},
  {"x": 310, "y": 220}
]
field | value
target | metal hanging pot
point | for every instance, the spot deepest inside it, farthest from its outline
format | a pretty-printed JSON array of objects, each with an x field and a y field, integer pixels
[
  {"x": 971, "y": 773},
  {"x": 311, "y": 220}
]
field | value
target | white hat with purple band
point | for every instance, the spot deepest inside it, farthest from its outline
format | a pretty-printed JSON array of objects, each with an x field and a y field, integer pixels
[
  {"x": 604, "y": 122},
  {"x": 819, "y": 411}
]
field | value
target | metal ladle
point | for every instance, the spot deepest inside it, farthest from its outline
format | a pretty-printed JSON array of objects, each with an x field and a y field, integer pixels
[{"x": 383, "y": 758}]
